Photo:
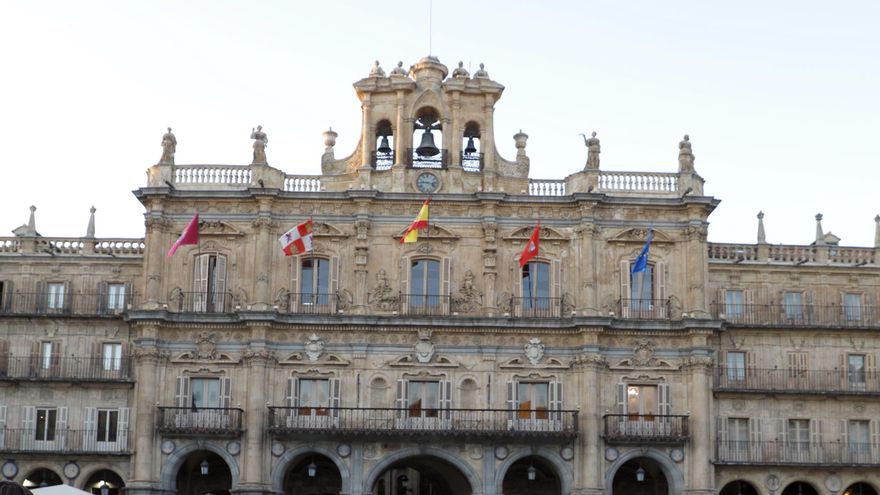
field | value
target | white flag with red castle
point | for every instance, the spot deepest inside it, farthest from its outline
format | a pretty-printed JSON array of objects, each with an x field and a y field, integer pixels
[{"x": 297, "y": 240}]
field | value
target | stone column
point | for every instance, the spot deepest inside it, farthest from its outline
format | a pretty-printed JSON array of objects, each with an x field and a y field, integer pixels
[
  {"x": 367, "y": 143},
  {"x": 264, "y": 244},
  {"x": 153, "y": 245},
  {"x": 701, "y": 478},
  {"x": 400, "y": 133},
  {"x": 452, "y": 139},
  {"x": 254, "y": 476},
  {"x": 589, "y": 459},
  {"x": 146, "y": 360}
]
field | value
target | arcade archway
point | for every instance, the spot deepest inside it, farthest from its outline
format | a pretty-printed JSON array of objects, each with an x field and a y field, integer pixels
[
  {"x": 860, "y": 489},
  {"x": 640, "y": 476},
  {"x": 421, "y": 475},
  {"x": 531, "y": 475},
  {"x": 204, "y": 472},
  {"x": 800, "y": 488},
  {"x": 104, "y": 478},
  {"x": 41, "y": 478},
  {"x": 739, "y": 487},
  {"x": 313, "y": 474}
]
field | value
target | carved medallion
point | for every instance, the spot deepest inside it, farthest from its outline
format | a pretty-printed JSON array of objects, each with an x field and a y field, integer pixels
[
  {"x": 206, "y": 348},
  {"x": 314, "y": 347},
  {"x": 643, "y": 353},
  {"x": 534, "y": 350},
  {"x": 424, "y": 347}
]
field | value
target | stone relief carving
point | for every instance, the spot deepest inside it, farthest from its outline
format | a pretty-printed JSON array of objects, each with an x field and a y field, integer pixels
[
  {"x": 382, "y": 297},
  {"x": 314, "y": 347},
  {"x": 346, "y": 299},
  {"x": 504, "y": 302},
  {"x": 282, "y": 299},
  {"x": 206, "y": 346},
  {"x": 567, "y": 304},
  {"x": 424, "y": 347},
  {"x": 470, "y": 299},
  {"x": 534, "y": 350},
  {"x": 643, "y": 353}
]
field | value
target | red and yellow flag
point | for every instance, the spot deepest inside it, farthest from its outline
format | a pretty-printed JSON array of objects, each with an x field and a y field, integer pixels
[{"x": 420, "y": 223}]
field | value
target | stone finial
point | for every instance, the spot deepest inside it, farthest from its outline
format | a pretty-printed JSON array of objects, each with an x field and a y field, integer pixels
[
  {"x": 169, "y": 147},
  {"x": 460, "y": 71},
  {"x": 762, "y": 236},
  {"x": 29, "y": 229},
  {"x": 820, "y": 234},
  {"x": 685, "y": 155},
  {"x": 90, "y": 230},
  {"x": 593, "y": 150},
  {"x": 877, "y": 231},
  {"x": 521, "y": 139},
  {"x": 399, "y": 70},
  {"x": 377, "y": 71},
  {"x": 481, "y": 74},
  {"x": 32, "y": 222},
  {"x": 329, "y": 140}
]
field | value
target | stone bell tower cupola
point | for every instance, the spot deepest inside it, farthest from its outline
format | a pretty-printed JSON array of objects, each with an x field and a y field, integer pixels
[{"x": 424, "y": 130}]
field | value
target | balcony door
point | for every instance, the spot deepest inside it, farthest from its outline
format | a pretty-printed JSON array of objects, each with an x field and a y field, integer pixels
[
  {"x": 424, "y": 404},
  {"x": 45, "y": 428},
  {"x": 105, "y": 430},
  {"x": 209, "y": 284},
  {"x": 314, "y": 402},
  {"x": 203, "y": 402},
  {"x": 644, "y": 410},
  {"x": 535, "y": 405}
]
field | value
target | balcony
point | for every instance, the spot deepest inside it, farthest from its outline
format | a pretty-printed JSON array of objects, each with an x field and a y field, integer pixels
[
  {"x": 536, "y": 307},
  {"x": 472, "y": 162},
  {"x": 438, "y": 161},
  {"x": 798, "y": 316},
  {"x": 65, "y": 369},
  {"x": 794, "y": 381},
  {"x": 382, "y": 161},
  {"x": 200, "y": 302},
  {"x": 310, "y": 303},
  {"x": 24, "y": 441},
  {"x": 199, "y": 422},
  {"x": 489, "y": 424},
  {"x": 67, "y": 304},
  {"x": 797, "y": 453},
  {"x": 644, "y": 309},
  {"x": 646, "y": 428},
  {"x": 425, "y": 304}
]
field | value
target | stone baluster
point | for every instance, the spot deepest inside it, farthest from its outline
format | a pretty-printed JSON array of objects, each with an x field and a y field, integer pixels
[{"x": 763, "y": 247}]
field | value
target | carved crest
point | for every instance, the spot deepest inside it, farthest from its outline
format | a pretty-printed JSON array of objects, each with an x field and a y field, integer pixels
[
  {"x": 547, "y": 234},
  {"x": 534, "y": 350},
  {"x": 206, "y": 348},
  {"x": 424, "y": 347},
  {"x": 219, "y": 228},
  {"x": 314, "y": 347},
  {"x": 321, "y": 229},
  {"x": 643, "y": 353},
  {"x": 640, "y": 235},
  {"x": 435, "y": 232}
]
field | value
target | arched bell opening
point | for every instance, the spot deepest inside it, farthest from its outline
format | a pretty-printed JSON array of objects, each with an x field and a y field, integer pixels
[
  {"x": 313, "y": 474},
  {"x": 204, "y": 472},
  {"x": 41, "y": 478},
  {"x": 421, "y": 475},
  {"x": 471, "y": 148},
  {"x": 860, "y": 489},
  {"x": 800, "y": 488},
  {"x": 640, "y": 476},
  {"x": 531, "y": 475},
  {"x": 738, "y": 487},
  {"x": 428, "y": 132},
  {"x": 104, "y": 482},
  {"x": 383, "y": 156}
]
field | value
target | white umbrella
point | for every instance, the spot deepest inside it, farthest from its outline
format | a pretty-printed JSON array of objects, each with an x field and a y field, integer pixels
[{"x": 59, "y": 490}]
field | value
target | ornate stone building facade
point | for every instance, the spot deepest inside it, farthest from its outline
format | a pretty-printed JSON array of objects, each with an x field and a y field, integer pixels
[{"x": 367, "y": 366}]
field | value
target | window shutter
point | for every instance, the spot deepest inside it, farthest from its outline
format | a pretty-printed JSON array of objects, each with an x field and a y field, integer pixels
[
  {"x": 815, "y": 432},
  {"x": 782, "y": 431},
  {"x": 102, "y": 297},
  {"x": 404, "y": 275},
  {"x": 751, "y": 366},
  {"x": 445, "y": 398},
  {"x": 843, "y": 371},
  {"x": 722, "y": 433},
  {"x": 290, "y": 399},
  {"x": 621, "y": 398},
  {"x": 660, "y": 282},
  {"x": 182, "y": 396},
  {"x": 556, "y": 286},
  {"x": 870, "y": 371},
  {"x": 756, "y": 439},
  {"x": 446, "y": 287},
  {"x": 625, "y": 289},
  {"x": 28, "y": 421},
  {"x": 128, "y": 297},
  {"x": 334, "y": 282},
  {"x": 556, "y": 400},
  {"x": 61, "y": 423},
  {"x": 400, "y": 402},
  {"x": 122, "y": 428},
  {"x": 226, "y": 392},
  {"x": 2, "y": 427},
  {"x": 41, "y": 297},
  {"x": 511, "y": 396},
  {"x": 68, "y": 296},
  {"x": 844, "y": 432},
  {"x": 295, "y": 289},
  {"x": 219, "y": 288},
  {"x": 35, "y": 357},
  {"x": 664, "y": 399},
  {"x": 335, "y": 397},
  {"x": 55, "y": 359},
  {"x": 6, "y": 297},
  {"x": 875, "y": 438},
  {"x": 4, "y": 357},
  {"x": 90, "y": 428}
]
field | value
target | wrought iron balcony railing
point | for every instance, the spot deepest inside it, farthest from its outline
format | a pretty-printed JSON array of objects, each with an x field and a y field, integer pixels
[
  {"x": 65, "y": 304},
  {"x": 202, "y": 421},
  {"x": 472, "y": 162},
  {"x": 310, "y": 303},
  {"x": 796, "y": 381},
  {"x": 425, "y": 304},
  {"x": 645, "y": 309},
  {"x": 440, "y": 160},
  {"x": 64, "y": 441},
  {"x": 646, "y": 428},
  {"x": 201, "y": 302},
  {"x": 387, "y": 422},
  {"x": 382, "y": 161},
  {"x": 59, "y": 369},
  {"x": 536, "y": 307},
  {"x": 797, "y": 453},
  {"x": 798, "y": 315}
]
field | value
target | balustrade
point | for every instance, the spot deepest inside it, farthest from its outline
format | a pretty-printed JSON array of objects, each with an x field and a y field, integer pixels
[
  {"x": 638, "y": 182},
  {"x": 58, "y": 368},
  {"x": 200, "y": 421},
  {"x": 546, "y": 187},
  {"x": 212, "y": 174},
  {"x": 63, "y": 441},
  {"x": 796, "y": 381},
  {"x": 841, "y": 453},
  {"x": 66, "y": 304},
  {"x": 303, "y": 183},
  {"x": 646, "y": 428},
  {"x": 798, "y": 315}
]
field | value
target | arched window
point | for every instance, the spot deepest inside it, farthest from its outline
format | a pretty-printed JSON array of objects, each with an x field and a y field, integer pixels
[
  {"x": 424, "y": 282},
  {"x": 471, "y": 150},
  {"x": 209, "y": 285},
  {"x": 428, "y": 133},
  {"x": 643, "y": 294},
  {"x": 315, "y": 282},
  {"x": 383, "y": 156},
  {"x": 535, "y": 287}
]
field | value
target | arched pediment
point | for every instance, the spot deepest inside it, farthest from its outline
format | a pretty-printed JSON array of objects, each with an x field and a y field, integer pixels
[
  {"x": 218, "y": 227},
  {"x": 546, "y": 233},
  {"x": 434, "y": 232},
  {"x": 326, "y": 230},
  {"x": 429, "y": 98},
  {"x": 640, "y": 235}
]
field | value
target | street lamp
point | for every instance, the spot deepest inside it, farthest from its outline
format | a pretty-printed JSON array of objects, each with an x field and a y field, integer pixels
[
  {"x": 640, "y": 474},
  {"x": 312, "y": 469},
  {"x": 532, "y": 473},
  {"x": 204, "y": 467},
  {"x": 105, "y": 490}
]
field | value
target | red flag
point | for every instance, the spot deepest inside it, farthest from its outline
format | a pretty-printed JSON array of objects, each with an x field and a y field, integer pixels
[
  {"x": 190, "y": 235},
  {"x": 297, "y": 240},
  {"x": 531, "y": 249}
]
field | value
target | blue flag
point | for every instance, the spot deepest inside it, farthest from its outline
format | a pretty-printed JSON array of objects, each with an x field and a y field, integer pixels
[{"x": 641, "y": 263}]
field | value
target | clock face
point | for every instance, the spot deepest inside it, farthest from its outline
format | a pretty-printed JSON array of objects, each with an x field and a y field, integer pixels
[{"x": 427, "y": 182}]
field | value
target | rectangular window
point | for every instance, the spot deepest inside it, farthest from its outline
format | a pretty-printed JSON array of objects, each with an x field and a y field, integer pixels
[
  {"x": 108, "y": 421},
  {"x": 799, "y": 434},
  {"x": 855, "y": 370},
  {"x": 536, "y": 285},
  {"x": 315, "y": 281},
  {"x": 112, "y": 357},
  {"x": 116, "y": 297},
  {"x": 858, "y": 439},
  {"x": 205, "y": 392},
  {"x": 641, "y": 400},
  {"x": 797, "y": 365},
  {"x": 423, "y": 399},
  {"x": 534, "y": 400},
  {"x": 425, "y": 283},
  {"x": 314, "y": 397},
  {"x": 642, "y": 288},
  {"x": 736, "y": 366},
  {"x": 55, "y": 296},
  {"x": 733, "y": 304},
  {"x": 794, "y": 308},
  {"x": 46, "y": 354},
  {"x": 852, "y": 307},
  {"x": 45, "y": 431},
  {"x": 209, "y": 284},
  {"x": 738, "y": 434}
]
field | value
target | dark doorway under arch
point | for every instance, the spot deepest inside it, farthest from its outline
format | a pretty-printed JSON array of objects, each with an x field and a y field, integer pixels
[
  {"x": 313, "y": 475},
  {"x": 739, "y": 487},
  {"x": 531, "y": 476},
  {"x": 41, "y": 478},
  {"x": 640, "y": 476},
  {"x": 202, "y": 473},
  {"x": 102, "y": 478},
  {"x": 800, "y": 488},
  {"x": 421, "y": 475},
  {"x": 860, "y": 489}
]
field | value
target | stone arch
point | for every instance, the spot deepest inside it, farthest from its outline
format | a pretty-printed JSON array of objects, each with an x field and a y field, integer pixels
[
  {"x": 865, "y": 482},
  {"x": 53, "y": 467},
  {"x": 168, "y": 473},
  {"x": 673, "y": 475},
  {"x": 802, "y": 481},
  {"x": 87, "y": 473},
  {"x": 290, "y": 456},
  {"x": 389, "y": 460},
  {"x": 563, "y": 470}
]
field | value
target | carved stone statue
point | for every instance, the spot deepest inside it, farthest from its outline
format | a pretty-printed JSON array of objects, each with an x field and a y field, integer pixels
[
  {"x": 399, "y": 70},
  {"x": 460, "y": 71},
  {"x": 382, "y": 297},
  {"x": 377, "y": 71},
  {"x": 470, "y": 298},
  {"x": 685, "y": 155},
  {"x": 169, "y": 147},
  {"x": 481, "y": 74},
  {"x": 260, "y": 143},
  {"x": 593, "y": 150}
]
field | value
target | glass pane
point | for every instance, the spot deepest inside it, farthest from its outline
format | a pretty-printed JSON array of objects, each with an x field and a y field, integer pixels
[
  {"x": 41, "y": 424},
  {"x": 432, "y": 398},
  {"x": 642, "y": 285},
  {"x": 56, "y": 296},
  {"x": 115, "y": 296},
  {"x": 414, "y": 399},
  {"x": 417, "y": 280},
  {"x": 853, "y": 306},
  {"x": 649, "y": 400},
  {"x": 736, "y": 366},
  {"x": 542, "y": 280},
  {"x": 112, "y": 422},
  {"x": 322, "y": 287},
  {"x": 734, "y": 303},
  {"x": 527, "y": 293},
  {"x": 433, "y": 283},
  {"x": 46, "y": 355},
  {"x": 793, "y": 305},
  {"x": 856, "y": 368},
  {"x": 632, "y": 400},
  {"x": 307, "y": 278}
]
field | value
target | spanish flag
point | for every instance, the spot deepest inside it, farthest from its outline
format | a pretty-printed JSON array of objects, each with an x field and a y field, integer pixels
[{"x": 420, "y": 223}]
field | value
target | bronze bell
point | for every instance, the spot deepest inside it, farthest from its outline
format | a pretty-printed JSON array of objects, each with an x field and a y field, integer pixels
[
  {"x": 384, "y": 147},
  {"x": 470, "y": 148},
  {"x": 427, "y": 148}
]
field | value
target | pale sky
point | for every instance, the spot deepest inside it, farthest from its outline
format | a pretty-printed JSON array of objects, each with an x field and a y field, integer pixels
[{"x": 781, "y": 99}]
